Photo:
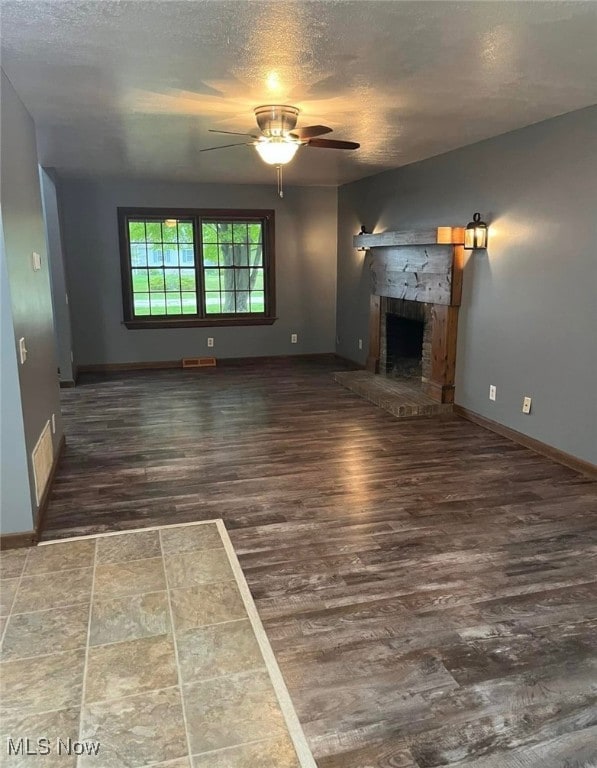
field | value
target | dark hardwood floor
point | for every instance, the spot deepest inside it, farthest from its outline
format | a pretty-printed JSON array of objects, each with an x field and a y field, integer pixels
[{"x": 429, "y": 588}]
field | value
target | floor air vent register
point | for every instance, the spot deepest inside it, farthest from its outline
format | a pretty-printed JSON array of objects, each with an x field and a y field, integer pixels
[
  {"x": 198, "y": 362},
  {"x": 42, "y": 457}
]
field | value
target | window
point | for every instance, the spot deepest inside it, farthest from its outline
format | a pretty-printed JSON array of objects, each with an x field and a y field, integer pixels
[{"x": 189, "y": 267}]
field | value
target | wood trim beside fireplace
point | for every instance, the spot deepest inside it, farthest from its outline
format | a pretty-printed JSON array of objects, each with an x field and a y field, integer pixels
[
  {"x": 457, "y": 270},
  {"x": 374, "y": 333},
  {"x": 444, "y": 330}
]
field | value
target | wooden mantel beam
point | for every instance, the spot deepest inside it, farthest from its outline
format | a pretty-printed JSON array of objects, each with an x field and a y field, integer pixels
[{"x": 438, "y": 236}]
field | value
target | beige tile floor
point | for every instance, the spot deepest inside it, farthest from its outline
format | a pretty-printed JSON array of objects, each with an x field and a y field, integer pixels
[{"x": 146, "y": 643}]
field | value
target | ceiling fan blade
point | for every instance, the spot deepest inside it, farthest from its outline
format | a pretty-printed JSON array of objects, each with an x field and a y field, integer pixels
[
  {"x": 225, "y": 146},
  {"x": 309, "y": 131},
  {"x": 332, "y": 144},
  {"x": 233, "y": 133}
]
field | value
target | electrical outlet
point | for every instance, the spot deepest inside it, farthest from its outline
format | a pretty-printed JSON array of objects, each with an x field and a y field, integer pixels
[
  {"x": 293, "y": 338},
  {"x": 210, "y": 341},
  {"x": 54, "y": 423},
  {"x": 526, "y": 405},
  {"x": 22, "y": 350},
  {"x": 360, "y": 343},
  {"x": 492, "y": 391}
]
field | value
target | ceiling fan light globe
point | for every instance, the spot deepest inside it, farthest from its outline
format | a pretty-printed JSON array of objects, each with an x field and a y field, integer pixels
[{"x": 277, "y": 151}]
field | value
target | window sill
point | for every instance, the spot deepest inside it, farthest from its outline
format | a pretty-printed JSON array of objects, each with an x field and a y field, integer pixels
[{"x": 203, "y": 322}]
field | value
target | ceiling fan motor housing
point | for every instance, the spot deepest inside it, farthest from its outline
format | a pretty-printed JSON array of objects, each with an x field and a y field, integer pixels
[{"x": 276, "y": 119}]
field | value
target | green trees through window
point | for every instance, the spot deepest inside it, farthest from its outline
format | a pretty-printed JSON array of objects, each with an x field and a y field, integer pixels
[
  {"x": 162, "y": 262},
  {"x": 233, "y": 266},
  {"x": 195, "y": 266}
]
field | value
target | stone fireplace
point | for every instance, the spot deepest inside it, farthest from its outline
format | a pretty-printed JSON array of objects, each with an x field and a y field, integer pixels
[
  {"x": 416, "y": 286},
  {"x": 405, "y": 339}
]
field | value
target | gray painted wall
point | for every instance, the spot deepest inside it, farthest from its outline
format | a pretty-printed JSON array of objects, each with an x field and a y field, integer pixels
[
  {"x": 31, "y": 303},
  {"x": 61, "y": 309},
  {"x": 528, "y": 321},
  {"x": 16, "y": 513},
  {"x": 305, "y": 271}
]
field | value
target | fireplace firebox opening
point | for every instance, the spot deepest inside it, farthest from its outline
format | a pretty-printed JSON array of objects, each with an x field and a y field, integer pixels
[
  {"x": 405, "y": 339},
  {"x": 404, "y": 347}
]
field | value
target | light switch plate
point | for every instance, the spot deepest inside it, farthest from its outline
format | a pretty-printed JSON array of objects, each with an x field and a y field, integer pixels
[
  {"x": 526, "y": 405},
  {"x": 22, "y": 350},
  {"x": 36, "y": 261}
]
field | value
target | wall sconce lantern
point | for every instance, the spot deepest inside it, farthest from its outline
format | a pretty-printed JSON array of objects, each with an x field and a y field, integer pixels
[
  {"x": 475, "y": 234},
  {"x": 362, "y": 232}
]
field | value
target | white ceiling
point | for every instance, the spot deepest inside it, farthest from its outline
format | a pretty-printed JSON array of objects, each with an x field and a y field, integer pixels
[{"x": 131, "y": 87}]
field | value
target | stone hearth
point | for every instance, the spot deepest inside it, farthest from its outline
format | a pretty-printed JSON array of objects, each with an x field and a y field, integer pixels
[{"x": 402, "y": 398}]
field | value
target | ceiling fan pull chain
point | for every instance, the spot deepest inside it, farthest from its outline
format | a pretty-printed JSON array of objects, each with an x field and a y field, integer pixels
[{"x": 279, "y": 175}]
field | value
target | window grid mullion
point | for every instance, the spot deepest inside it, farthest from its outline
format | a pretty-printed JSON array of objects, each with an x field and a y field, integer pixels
[{"x": 199, "y": 267}]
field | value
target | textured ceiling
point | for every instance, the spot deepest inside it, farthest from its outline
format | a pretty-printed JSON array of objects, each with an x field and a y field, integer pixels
[{"x": 130, "y": 88}]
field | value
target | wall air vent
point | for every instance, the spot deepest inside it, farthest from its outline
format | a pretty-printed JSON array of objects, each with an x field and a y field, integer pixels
[
  {"x": 42, "y": 458},
  {"x": 198, "y": 362}
]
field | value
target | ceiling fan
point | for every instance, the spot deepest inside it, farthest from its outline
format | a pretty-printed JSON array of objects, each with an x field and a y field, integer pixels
[{"x": 279, "y": 138}]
